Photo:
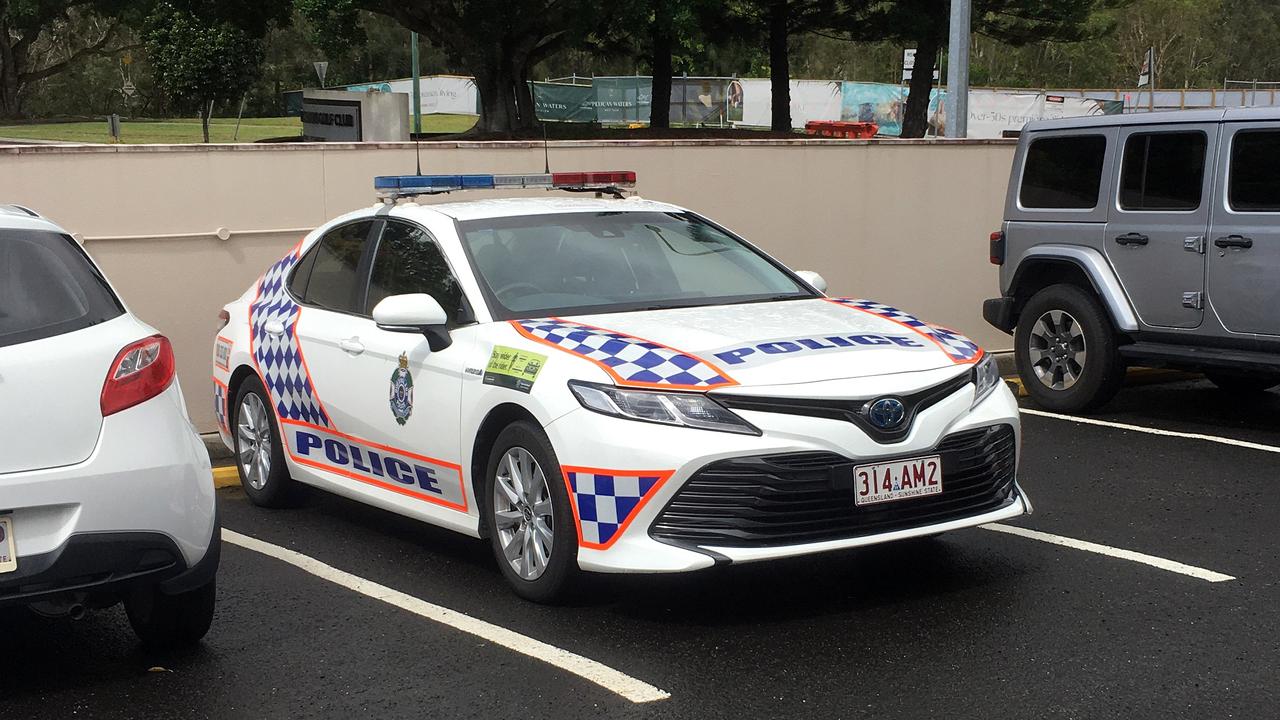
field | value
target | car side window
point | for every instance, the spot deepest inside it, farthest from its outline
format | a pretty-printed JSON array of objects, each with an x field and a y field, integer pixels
[
  {"x": 409, "y": 261},
  {"x": 1063, "y": 173},
  {"x": 1163, "y": 171},
  {"x": 1253, "y": 185},
  {"x": 332, "y": 267}
]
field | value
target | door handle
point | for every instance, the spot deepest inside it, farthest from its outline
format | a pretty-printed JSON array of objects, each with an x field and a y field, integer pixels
[
  {"x": 274, "y": 327},
  {"x": 1235, "y": 241},
  {"x": 351, "y": 345},
  {"x": 1133, "y": 238}
]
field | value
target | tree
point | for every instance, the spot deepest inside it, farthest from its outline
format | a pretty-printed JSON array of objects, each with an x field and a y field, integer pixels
[
  {"x": 199, "y": 63},
  {"x": 776, "y": 22},
  {"x": 926, "y": 24},
  {"x": 42, "y": 38},
  {"x": 498, "y": 41}
]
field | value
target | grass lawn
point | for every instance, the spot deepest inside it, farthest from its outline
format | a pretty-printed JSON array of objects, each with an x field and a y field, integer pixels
[{"x": 185, "y": 130}]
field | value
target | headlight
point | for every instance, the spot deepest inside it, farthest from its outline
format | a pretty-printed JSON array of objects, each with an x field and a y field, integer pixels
[
  {"x": 986, "y": 377},
  {"x": 693, "y": 410}
]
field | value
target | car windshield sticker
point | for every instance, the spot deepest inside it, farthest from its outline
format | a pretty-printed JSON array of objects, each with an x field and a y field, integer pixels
[
  {"x": 759, "y": 353},
  {"x": 513, "y": 368},
  {"x": 278, "y": 354},
  {"x": 606, "y": 501},
  {"x": 405, "y": 473},
  {"x": 957, "y": 347},
  {"x": 402, "y": 391},
  {"x": 628, "y": 359}
]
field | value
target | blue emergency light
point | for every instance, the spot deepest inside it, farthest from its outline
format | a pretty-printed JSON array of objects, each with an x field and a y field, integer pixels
[{"x": 406, "y": 185}]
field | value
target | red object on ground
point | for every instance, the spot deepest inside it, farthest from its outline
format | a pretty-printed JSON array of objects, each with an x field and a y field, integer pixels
[{"x": 841, "y": 129}]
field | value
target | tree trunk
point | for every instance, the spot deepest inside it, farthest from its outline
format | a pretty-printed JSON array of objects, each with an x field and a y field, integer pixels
[
  {"x": 10, "y": 86},
  {"x": 524, "y": 95},
  {"x": 780, "y": 65},
  {"x": 660, "y": 64},
  {"x": 915, "y": 116},
  {"x": 496, "y": 86}
]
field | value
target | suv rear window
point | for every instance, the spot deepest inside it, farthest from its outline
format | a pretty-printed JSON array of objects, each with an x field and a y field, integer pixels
[
  {"x": 1254, "y": 185},
  {"x": 48, "y": 287},
  {"x": 1063, "y": 173},
  {"x": 1163, "y": 171}
]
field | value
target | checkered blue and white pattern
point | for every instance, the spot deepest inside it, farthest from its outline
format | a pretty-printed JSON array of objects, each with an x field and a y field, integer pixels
[
  {"x": 955, "y": 345},
  {"x": 631, "y": 359},
  {"x": 220, "y": 405},
  {"x": 279, "y": 357},
  {"x": 606, "y": 502}
]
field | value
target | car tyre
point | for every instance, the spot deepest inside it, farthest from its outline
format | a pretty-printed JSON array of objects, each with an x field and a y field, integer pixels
[
  {"x": 171, "y": 621},
  {"x": 1066, "y": 350},
  {"x": 1243, "y": 383},
  {"x": 259, "y": 453},
  {"x": 523, "y": 489}
]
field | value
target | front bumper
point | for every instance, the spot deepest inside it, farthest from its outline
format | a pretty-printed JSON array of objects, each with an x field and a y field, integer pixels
[
  {"x": 140, "y": 508},
  {"x": 612, "y": 451}
]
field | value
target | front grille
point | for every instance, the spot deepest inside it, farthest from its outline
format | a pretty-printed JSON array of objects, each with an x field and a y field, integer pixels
[{"x": 806, "y": 497}]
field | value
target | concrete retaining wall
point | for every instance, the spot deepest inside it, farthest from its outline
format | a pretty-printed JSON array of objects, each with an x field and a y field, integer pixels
[{"x": 902, "y": 222}]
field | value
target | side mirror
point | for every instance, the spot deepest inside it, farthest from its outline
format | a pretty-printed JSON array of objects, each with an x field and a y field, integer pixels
[
  {"x": 817, "y": 281},
  {"x": 414, "y": 313}
]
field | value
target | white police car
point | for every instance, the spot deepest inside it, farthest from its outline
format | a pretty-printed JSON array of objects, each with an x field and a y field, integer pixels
[{"x": 600, "y": 384}]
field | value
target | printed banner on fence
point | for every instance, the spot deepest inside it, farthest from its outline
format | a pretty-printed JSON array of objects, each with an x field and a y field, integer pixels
[{"x": 810, "y": 100}]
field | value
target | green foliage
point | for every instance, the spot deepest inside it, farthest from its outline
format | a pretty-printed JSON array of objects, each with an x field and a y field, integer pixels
[{"x": 198, "y": 61}]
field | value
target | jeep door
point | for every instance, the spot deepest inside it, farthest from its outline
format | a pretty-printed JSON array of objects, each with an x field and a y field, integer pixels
[
  {"x": 1159, "y": 218},
  {"x": 1244, "y": 250}
]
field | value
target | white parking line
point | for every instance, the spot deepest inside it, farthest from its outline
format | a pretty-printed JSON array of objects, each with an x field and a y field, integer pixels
[
  {"x": 606, "y": 677},
  {"x": 1155, "y": 431},
  {"x": 1157, "y": 562}
]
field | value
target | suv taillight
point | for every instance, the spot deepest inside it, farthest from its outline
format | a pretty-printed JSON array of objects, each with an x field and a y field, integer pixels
[
  {"x": 141, "y": 371},
  {"x": 997, "y": 247}
]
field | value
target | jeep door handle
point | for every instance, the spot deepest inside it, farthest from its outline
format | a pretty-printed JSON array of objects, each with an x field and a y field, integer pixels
[
  {"x": 1235, "y": 241},
  {"x": 1133, "y": 238},
  {"x": 351, "y": 345}
]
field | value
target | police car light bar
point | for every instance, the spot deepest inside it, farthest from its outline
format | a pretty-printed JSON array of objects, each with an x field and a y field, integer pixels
[{"x": 394, "y": 186}]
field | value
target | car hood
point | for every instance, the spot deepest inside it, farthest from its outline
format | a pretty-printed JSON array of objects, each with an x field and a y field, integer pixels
[{"x": 794, "y": 341}]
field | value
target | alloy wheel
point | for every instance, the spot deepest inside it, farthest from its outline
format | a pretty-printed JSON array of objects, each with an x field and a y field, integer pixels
[
  {"x": 522, "y": 513},
  {"x": 1057, "y": 350},
  {"x": 253, "y": 431}
]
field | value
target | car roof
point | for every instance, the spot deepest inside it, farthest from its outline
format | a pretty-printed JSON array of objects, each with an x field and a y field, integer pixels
[
  {"x": 515, "y": 207},
  {"x": 17, "y": 217},
  {"x": 1163, "y": 117}
]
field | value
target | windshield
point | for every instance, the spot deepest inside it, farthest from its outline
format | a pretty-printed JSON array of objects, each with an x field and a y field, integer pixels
[{"x": 575, "y": 263}]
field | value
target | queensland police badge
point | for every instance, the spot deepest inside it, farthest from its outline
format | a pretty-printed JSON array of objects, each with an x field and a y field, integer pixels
[{"x": 402, "y": 391}]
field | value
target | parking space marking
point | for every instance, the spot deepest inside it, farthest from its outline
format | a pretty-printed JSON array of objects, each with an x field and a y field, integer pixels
[
  {"x": 1172, "y": 566},
  {"x": 606, "y": 677},
  {"x": 1155, "y": 431}
]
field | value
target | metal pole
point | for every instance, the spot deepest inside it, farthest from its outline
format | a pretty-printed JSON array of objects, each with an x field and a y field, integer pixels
[
  {"x": 957, "y": 70},
  {"x": 417, "y": 76}
]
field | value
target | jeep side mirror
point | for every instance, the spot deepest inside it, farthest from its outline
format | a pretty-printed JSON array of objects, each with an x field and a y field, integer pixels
[{"x": 415, "y": 313}]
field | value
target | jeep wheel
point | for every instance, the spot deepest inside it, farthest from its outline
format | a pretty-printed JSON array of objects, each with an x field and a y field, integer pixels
[
  {"x": 1243, "y": 383},
  {"x": 1066, "y": 350}
]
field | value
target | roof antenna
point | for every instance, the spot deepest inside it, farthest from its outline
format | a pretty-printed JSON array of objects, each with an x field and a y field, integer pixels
[
  {"x": 546, "y": 157},
  {"x": 417, "y": 152}
]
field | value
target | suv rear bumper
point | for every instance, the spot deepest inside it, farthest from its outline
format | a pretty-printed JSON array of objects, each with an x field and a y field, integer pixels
[{"x": 999, "y": 313}]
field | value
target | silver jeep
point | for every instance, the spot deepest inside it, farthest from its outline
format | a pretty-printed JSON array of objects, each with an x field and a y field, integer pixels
[{"x": 1148, "y": 239}]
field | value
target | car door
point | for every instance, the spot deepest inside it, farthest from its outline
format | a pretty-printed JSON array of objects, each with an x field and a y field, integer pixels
[
  {"x": 1160, "y": 216},
  {"x": 1244, "y": 250},
  {"x": 395, "y": 403}
]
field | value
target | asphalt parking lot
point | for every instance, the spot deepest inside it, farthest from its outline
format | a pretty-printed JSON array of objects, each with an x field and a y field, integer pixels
[{"x": 974, "y": 624}]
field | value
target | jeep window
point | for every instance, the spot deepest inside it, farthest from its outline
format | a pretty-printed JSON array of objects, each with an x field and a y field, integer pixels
[
  {"x": 1254, "y": 185},
  {"x": 1163, "y": 171},
  {"x": 1063, "y": 173}
]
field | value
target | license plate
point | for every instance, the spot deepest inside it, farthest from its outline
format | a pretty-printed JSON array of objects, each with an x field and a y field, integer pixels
[
  {"x": 8, "y": 553},
  {"x": 897, "y": 480}
]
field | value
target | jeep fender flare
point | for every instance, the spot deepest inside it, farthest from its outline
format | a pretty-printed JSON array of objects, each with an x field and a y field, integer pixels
[{"x": 1096, "y": 268}]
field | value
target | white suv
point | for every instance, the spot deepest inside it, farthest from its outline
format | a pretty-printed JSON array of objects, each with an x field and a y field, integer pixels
[{"x": 105, "y": 488}]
